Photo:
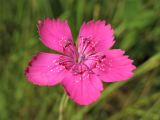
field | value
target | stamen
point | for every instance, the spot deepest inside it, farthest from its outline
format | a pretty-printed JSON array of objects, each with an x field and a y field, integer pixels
[{"x": 86, "y": 46}]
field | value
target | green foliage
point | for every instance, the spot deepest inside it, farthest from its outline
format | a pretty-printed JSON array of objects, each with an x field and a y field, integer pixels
[{"x": 137, "y": 30}]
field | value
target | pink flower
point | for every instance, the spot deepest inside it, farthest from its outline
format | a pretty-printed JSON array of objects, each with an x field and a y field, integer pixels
[{"x": 81, "y": 69}]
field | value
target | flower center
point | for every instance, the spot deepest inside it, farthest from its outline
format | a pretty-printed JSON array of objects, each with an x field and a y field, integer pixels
[{"x": 85, "y": 59}]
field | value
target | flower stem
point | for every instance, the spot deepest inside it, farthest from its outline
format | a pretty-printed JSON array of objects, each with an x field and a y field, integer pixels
[{"x": 62, "y": 106}]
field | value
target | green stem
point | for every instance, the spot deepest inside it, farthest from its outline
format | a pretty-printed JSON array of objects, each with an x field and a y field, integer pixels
[{"x": 62, "y": 106}]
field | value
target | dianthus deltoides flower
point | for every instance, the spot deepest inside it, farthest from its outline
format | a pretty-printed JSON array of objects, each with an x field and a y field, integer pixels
[{"x": 82, "y": 68}]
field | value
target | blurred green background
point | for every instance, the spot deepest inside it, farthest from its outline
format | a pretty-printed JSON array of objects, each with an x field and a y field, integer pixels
[{"x": 137, "y": 30}]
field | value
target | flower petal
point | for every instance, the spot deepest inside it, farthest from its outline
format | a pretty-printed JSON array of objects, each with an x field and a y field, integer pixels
[
  {"x": 44, "y": 70},
  {"x": 115, "y": 67},
  {"x": 55, "y": 34},
  {"x": 83, "y": 89},
  {"x": 100, "y": 35}
]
